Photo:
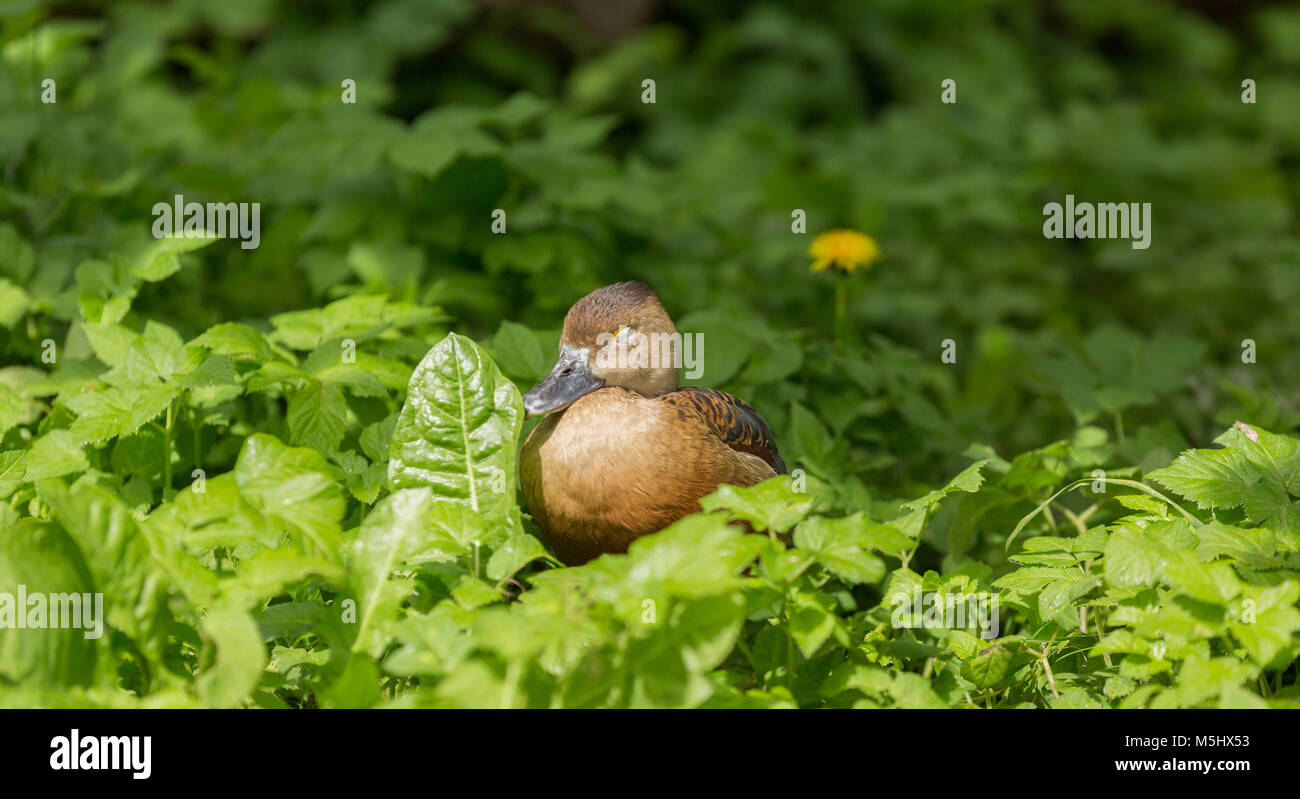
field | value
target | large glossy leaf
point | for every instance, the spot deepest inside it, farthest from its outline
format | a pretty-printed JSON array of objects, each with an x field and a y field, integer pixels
[
  {"x": 38, "y": 557},
  {"x": 407, "y": 526},
  {"x": 118, "y": 557},
  {"x": 457, "y": 432}
]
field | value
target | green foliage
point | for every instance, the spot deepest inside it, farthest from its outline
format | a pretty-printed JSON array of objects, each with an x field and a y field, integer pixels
[{"x": 291, "y": 470}]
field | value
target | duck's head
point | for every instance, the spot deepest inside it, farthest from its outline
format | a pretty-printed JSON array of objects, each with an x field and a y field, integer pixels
[{"x": 619, "y": 335}]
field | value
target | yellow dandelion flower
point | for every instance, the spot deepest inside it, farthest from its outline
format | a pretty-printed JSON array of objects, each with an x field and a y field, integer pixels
[{"x": 846, "y": 251}]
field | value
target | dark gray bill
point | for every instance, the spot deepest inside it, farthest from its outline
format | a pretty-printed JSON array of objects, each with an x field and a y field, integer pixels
[{"x": 570, "y": 379}]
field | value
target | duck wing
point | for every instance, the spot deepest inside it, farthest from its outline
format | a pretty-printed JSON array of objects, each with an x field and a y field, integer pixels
[{"x": 732, "y": 420}]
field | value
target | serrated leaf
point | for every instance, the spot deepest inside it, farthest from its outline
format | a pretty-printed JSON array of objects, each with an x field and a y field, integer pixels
[
  {"x": 841, "y": 546},
  {"x": 55, "y": 454},
  {"x": 770, "y": 505},
  {"x": 13, "y": 468},
  {"x": 318, "y": 416},
  {"x": 969, "y": 480}
]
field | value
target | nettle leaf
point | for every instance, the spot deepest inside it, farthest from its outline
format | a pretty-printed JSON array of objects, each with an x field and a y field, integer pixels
[
  {"x": 1057, "y": 600},
  {"x": 1254, "y": 546},
  {"x": 215, "y": 370},
  {"x": 969, "y": 480},
  {"x": 162, "y": 260},
  {"x": 1132, "y": 559},
  {"x": 237, "y": 341},
  {"x": 296, "y": 487},
  {"x": 813, "y": 444},
  {"x": 1268, "y": 622},
  {"x": 1256, "y": 471},
  {"x": 991, "y": 664},
  {"x": 318, "y": 416},
  {"x": 17, "y": 257},
  {"x": 812, "y": 619},
  {"x": 366, "y": 484},
  {"x": 267, "y": 573},
  {"x": 375, "y": 438},
  {"x": 1032, "y": 579},
  {"x": 1201, "y": 679},
  {"x": 770, "y": 505},
  {"x": 54, "y": 454},
  {"x": 110, "y": 341},
  {"x": 157, "y": 354},
  {"x": 14, "y": 409},
  {"x": 457, "y": 431},
  {"x": 841, "y": 546},
  {"x": 438, "y": 137},
  {"x": 361, "y": 382},
  {"x": 669, "y": 667},
  {"x": 13, "y": 469},
  {"x": 14, "y": 303},
  {"x": 118, "y": 411},
  {"x": 356, "y": 316}
]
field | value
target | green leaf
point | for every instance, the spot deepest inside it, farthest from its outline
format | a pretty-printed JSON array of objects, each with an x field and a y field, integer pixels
[
  {"x": 14, "y": 303},
  {"x": 812, "y": 620},
  {"x": 233, "y": 649},
  {"x": 403, "y": 527},
  {"x": 296, "y": 488},
  {"x": 458, "y": 430},
  {"x": 518, "y": 351},
  {"x": 770, "y": 505},
  {"x": 43, "y": 558},
  {"x": 17, "y": 258},
  {"x": 266, "y": 574},
  {"x": 1267, "y": 624},
  {"x": 156, "y": 355},
  {"x": 110, "y": 341},
  {"x": 237, "y": 341},
  {"x": 161, "y": 259},
  {"x": 121, "y": 561},
  {"x": 1132, "y": 559},
  {"x": 969, "y": 480},
  {"x": 118, "y": 411},
  {"x": 992, "y": 664},
  {"x": 840, "y": 545},
  {"x": 512, "y": 555},
  {"x": 55, "y": 454},
  {"x": 1256, "y": 470},
  {"x": 438, "y": 137},
  {"x": 318, "y": 416},
  {"x": 1057, "y": 600},
  {"x": 13, "y": 468}
]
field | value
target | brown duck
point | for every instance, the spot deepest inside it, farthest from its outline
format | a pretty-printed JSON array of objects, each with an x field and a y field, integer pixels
[{"x": 623, "y": 450}]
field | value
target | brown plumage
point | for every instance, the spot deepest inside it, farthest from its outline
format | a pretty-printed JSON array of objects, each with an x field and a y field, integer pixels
[
  {"x": 623, "y": 450},
  {"x": 731, "y": 419}
]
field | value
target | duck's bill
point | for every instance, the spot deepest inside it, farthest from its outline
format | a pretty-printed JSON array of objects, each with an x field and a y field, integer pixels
[{"x": 570, "y": 379}]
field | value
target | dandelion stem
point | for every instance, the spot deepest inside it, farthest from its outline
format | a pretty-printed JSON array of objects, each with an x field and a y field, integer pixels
[{"x": 841, "y": 305}]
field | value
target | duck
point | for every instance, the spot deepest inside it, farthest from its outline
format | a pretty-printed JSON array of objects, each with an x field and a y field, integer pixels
[{"x": 623, "y": 450}]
